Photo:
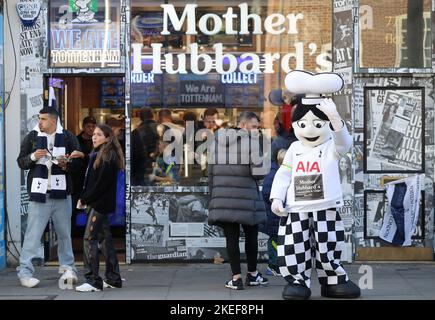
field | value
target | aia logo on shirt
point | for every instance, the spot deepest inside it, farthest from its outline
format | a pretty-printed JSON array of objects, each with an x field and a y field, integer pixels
[{"x": 308, "y": 166}]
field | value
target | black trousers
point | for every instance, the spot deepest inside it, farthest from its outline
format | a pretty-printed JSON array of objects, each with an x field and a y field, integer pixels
[
  {"x": 232, "y": 235},
  {"x": 98, "y": 230}
]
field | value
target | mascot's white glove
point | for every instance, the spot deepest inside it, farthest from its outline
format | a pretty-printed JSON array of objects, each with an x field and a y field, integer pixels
[
  {"x": 329, "y": 108},
  {"x": 278, "y": 209}
]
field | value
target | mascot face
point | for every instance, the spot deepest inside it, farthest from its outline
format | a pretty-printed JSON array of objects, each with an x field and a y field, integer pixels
[{"x": 311, "y": 130}]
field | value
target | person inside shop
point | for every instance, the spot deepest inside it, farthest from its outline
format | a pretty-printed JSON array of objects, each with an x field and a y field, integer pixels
[
  {"x": 117, "y": 124},
  {"x": 190, "y": 118},
  {"x": 45, "y": 153},
  {"x": 235, "y": 198},
  {"x": 165, "y": 119},
  {"x": 210, "y": 119},
  {"x": 99, "y": 199},
  {"x": 165, "y": 171},
  {"x": 144, "y": 141},
  {"x": 85, "y": 140},
  {"x": 285, "y": 135}
]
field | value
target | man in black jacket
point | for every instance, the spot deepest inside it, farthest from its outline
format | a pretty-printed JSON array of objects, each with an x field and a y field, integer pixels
[
  {"x": 143, "y": 147},
  {"x": 44, "y": 152},
  {"x": 85, "y": 140},
  {"x": 235, "y": 198}
]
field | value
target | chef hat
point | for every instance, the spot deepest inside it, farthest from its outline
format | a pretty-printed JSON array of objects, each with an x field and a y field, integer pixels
[{"x": 313, "y": 86}]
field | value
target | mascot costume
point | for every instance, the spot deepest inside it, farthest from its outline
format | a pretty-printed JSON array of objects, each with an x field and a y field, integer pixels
[{"x": 308, "y": 182}]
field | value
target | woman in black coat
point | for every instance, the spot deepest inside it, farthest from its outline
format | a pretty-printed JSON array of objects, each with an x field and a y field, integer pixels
[{"x": 99, "y": 197}]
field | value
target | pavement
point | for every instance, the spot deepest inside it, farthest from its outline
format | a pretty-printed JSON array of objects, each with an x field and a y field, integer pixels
[{"x": 205, "y": 281}]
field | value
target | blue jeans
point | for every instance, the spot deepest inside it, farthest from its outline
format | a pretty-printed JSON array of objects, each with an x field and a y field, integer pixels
[{"x": 59, "y": 210}]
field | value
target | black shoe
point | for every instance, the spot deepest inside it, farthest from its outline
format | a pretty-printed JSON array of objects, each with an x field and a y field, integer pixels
[
  {"x": 235, "y": 284},
  {"x": 112, "y": 285},
  {"x": 348, "y": 290},
  {"x": 296, "y": 292},
  {"x": 255, "y": 281}
]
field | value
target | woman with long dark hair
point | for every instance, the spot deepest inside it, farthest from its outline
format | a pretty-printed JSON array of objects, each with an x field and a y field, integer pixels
[{"x": 99, "y": 197}]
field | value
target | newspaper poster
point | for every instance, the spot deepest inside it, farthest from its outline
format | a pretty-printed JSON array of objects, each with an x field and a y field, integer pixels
[
  {"x": 172, "y": 250},
  {"x": 401, "y": 219},
  {"x": 394, "y": 132},
  {"x": 358, "y": 102},
  {"x": 188, "y": 208},
  {"x": 186, "y": 229},
  {"x": 374, "y": 213},
  {"x": 358, "y": 224},
  {"x": 207, "y": 242},
  {"x": 31, "y": 41},
  {"x": 147, "y": 234},
  {"x": 213, "y": 231},
  {"x": 343, "y": 39},
  {"x": 344, "y": 107},
  {"x": 206, "y": 253},
  {"x": 346, "y": 214},
  {"x": 150, "y": 208}
]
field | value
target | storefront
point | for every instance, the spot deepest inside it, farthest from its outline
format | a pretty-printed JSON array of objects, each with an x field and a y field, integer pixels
[{"x": 114, "y": 60}]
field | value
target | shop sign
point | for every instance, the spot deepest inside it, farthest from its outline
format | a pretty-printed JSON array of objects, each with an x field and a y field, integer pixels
[
  {"x": 202, "y": 92},
  {"x": 85, "y": 35},
  {"x": 211, "y": 24},
  {"x": 142, "y": 78},
  {"x": 28, "y": 11},
  {"x": 239, "y": 78}
]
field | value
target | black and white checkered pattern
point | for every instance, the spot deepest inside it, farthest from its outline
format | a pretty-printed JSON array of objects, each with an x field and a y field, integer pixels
[{"x": 302, "y": 236}]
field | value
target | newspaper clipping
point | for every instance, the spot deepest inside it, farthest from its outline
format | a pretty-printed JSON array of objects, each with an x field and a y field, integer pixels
[
  {"x": 174, "y": 226},
  {"x": 394, "y": 130},
  {"x": 374, "y": 212},
  {"x": 173, "y": 250}
]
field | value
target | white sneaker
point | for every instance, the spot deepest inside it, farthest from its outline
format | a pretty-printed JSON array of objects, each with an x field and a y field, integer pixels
[
  {"x": 69, "y": 276},
  {"x": 86, "y": 287},
  {"x": 29, "y": 282}
]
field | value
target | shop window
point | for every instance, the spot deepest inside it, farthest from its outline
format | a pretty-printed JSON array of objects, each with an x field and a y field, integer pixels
[
  {"x": 394, "y": 34},
  {"x": 204, "y": 99}
]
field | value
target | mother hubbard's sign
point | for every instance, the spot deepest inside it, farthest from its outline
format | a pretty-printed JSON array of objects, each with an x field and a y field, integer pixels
[{"x": 203, "y": 63}]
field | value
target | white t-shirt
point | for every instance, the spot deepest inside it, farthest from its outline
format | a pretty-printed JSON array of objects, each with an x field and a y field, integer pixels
[{"x": 309, "y": 180}]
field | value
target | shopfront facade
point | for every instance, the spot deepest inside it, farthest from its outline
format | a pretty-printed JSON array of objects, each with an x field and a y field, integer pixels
[{"x": 142, "y": 53}]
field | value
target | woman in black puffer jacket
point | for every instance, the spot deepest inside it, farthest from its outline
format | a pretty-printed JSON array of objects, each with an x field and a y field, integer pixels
[
  {"x": 99, "y": 196},
  {"x": 235, "y": 198}
]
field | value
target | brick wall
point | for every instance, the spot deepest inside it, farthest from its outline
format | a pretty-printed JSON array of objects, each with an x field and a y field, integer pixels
[{"x": 378, "y": 44}]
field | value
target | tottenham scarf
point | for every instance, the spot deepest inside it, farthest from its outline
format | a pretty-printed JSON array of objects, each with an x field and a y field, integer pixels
[{"x": 38, "y": 190}]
